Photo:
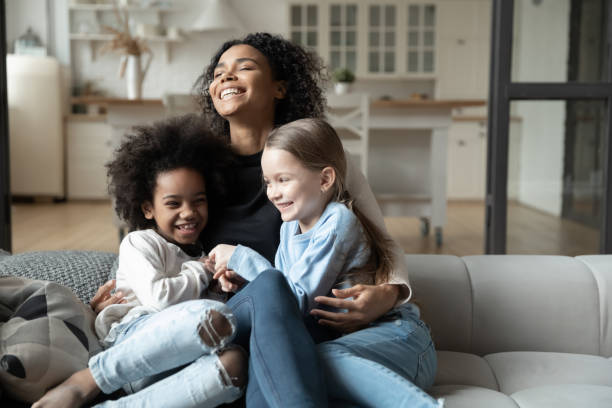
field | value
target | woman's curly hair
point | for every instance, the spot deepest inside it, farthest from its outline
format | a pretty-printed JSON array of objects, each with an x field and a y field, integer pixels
[
  {"x": 303, "y": 72},
  {"x": 180, "y": 142}
]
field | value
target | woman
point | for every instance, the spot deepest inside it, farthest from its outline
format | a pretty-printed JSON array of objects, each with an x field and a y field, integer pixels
[{"x": 251, "y": 86}]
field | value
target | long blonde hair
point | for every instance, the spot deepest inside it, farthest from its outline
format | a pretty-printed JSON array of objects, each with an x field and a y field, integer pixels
[{"x": 317, "y": 145}]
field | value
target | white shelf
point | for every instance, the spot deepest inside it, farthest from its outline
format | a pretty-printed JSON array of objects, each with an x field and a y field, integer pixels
[
  {"x": 103, "y": 8},
  {"x": 111, "y": 7},
  {"x": 108, "y": 37}
]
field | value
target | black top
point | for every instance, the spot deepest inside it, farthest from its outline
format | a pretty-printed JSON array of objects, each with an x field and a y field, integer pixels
[{"x": 248, "y": 217}]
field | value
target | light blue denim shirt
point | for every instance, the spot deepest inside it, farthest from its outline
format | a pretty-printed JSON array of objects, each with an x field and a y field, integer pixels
[{"x": 314, "y": 261}]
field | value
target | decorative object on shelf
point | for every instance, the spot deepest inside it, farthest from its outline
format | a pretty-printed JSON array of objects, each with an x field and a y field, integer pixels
[
  {"x": 132, "y": 49},
  {"x": 343, "y": 78},
  {"x": 217, "y": 15},
  {"x": 29, "y": 44}
]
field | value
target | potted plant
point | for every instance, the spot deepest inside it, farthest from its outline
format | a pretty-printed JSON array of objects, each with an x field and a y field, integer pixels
[{"x": 343, "y": 78}]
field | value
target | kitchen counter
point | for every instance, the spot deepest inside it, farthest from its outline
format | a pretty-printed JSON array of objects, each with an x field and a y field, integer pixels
[
  {"x": 103, "y": 100},
  {"x": 376, "y": 103},
  {"x": 426, "y": 103}
]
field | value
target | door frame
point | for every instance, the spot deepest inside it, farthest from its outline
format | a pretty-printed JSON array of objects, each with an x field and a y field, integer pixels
[{"x": 5, "y": 190}]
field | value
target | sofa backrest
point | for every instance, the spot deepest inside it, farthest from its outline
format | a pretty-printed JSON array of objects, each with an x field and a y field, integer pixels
[{"x": 494, "y": 303}]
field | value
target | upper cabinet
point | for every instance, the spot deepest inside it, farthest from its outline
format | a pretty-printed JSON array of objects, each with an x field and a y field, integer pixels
[
  {"x": 463, "y": 50},
  {"x": 374, "y": 39},
  {"x": 442, "y": 40}
]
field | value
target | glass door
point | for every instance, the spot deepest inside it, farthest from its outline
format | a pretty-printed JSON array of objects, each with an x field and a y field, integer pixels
[{"x": 549, "y": 176}]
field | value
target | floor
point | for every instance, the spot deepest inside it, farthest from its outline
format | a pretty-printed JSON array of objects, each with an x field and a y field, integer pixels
[{"x": 89, "y": 226}]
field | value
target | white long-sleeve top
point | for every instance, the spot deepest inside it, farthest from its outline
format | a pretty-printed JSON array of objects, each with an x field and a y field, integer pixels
[{"x": 153, "y": 274}]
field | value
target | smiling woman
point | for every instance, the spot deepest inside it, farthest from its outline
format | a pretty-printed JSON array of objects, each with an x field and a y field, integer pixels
[{"x": 251, "y": 86}]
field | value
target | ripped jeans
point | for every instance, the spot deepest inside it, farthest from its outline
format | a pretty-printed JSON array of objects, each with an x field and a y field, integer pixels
[{"x": 163, "y": 357}]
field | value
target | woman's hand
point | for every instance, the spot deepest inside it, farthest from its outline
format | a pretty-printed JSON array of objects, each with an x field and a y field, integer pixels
[
  {"x": 368, "y": 304},
  {"x": 220, "y": 256},
  {"x": 229, "y": 280},
  {"x": 104, "y": 297}
]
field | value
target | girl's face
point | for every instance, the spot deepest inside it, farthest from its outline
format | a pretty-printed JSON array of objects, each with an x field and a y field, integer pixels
[
  {"x": 299, "y": 193},
  {"x": 243, "y": 83},
  {"x": 179, "y": 207}
]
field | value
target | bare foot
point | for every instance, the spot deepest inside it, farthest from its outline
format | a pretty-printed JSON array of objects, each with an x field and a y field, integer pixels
[{"x": 74, "y": 392}]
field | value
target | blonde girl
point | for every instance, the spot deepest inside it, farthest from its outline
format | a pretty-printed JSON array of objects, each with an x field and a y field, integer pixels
[{"x": 325, "y": 241}]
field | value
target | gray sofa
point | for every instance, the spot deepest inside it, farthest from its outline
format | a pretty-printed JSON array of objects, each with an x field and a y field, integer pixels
[
  {"x": 518, "y": 331},
  {"x": 511, "y": 331}
]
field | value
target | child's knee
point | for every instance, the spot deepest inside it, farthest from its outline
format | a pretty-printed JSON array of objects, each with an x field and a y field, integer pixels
[
  {"x": 215, "y": 329},
  {"x": 235, "y": 362}
]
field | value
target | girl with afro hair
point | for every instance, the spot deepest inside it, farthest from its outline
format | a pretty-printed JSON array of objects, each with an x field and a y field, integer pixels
[{"x": 167, "y": 341}]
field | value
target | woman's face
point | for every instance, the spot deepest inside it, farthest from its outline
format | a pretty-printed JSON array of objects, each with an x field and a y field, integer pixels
[{"x": 243, "y": 84}]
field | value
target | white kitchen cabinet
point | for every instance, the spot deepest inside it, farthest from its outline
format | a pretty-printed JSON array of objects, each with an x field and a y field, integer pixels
[
  {"x": 391, "y": 39},
  {"x": 463, "y": 34},
  {"x": 89, "y": 148},
  {"x": 467, "y": 158}
]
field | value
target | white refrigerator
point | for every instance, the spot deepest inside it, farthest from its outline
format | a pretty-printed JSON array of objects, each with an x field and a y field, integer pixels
[{"x": 35, "y": 126}]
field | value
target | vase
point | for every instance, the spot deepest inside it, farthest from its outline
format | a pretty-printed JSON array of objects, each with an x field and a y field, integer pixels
[
  {"x": 130, "y": 67},
  {"x": 342, "y": 88},
  {"x": 133, "y": 77}
]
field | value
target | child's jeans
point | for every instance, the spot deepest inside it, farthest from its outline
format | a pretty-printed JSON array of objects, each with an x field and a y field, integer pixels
[
  {"x": 387, "y": 364},
  {"x": 167, "y": 344}
]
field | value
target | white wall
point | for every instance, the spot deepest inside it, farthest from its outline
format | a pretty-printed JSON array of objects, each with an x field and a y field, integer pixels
[
  {"x": 21, "y": 14},
  {"x": 541, "y": 53}
]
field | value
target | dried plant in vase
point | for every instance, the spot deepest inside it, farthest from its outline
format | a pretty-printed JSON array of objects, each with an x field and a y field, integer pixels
[{"x": 131, "y": 49}]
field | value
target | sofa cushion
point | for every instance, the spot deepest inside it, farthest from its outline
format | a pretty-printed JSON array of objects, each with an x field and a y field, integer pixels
[
  {"x": 516, "y": 371},
  {"x": 446, "y": 308},
  {"x": 456, "y": 368},
  {"x": 556, "y": 297},
  {"x": 46, "y": 334},
  {"x": 600, "y": 266},
  {"x": 81, "y": 271},
  {"x": 465, "y": 396},
  {"x": 565, "y": 396}
]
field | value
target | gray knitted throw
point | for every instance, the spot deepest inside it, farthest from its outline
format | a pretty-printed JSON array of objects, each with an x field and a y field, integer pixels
[{"x": 81, "y": 271}]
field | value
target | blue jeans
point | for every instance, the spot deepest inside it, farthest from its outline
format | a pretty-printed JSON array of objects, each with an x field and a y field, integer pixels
[
  {"x": 167, "y": 344},
  {"x": 384, "y": 365},
  {"x": 284, "y": 369}
]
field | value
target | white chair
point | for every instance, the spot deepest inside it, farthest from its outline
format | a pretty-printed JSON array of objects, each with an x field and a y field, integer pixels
[{"x": 351, "y": 112}]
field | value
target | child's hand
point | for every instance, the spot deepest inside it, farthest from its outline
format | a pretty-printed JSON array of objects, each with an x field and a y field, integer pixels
[
  {"x": 209, "y": 264},
  {"x": 229, "y": 280},
  {"x": 221, "y": 255},
  {"x": 104, "y": 297}
]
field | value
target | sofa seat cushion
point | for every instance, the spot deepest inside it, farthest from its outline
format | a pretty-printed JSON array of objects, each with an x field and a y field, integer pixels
[
  {"x": 467, "y": 396},
  {"x": 516, "y": 371},
  {"x": 565, "y": 396},
  {"x": 455, "y": 368}
]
